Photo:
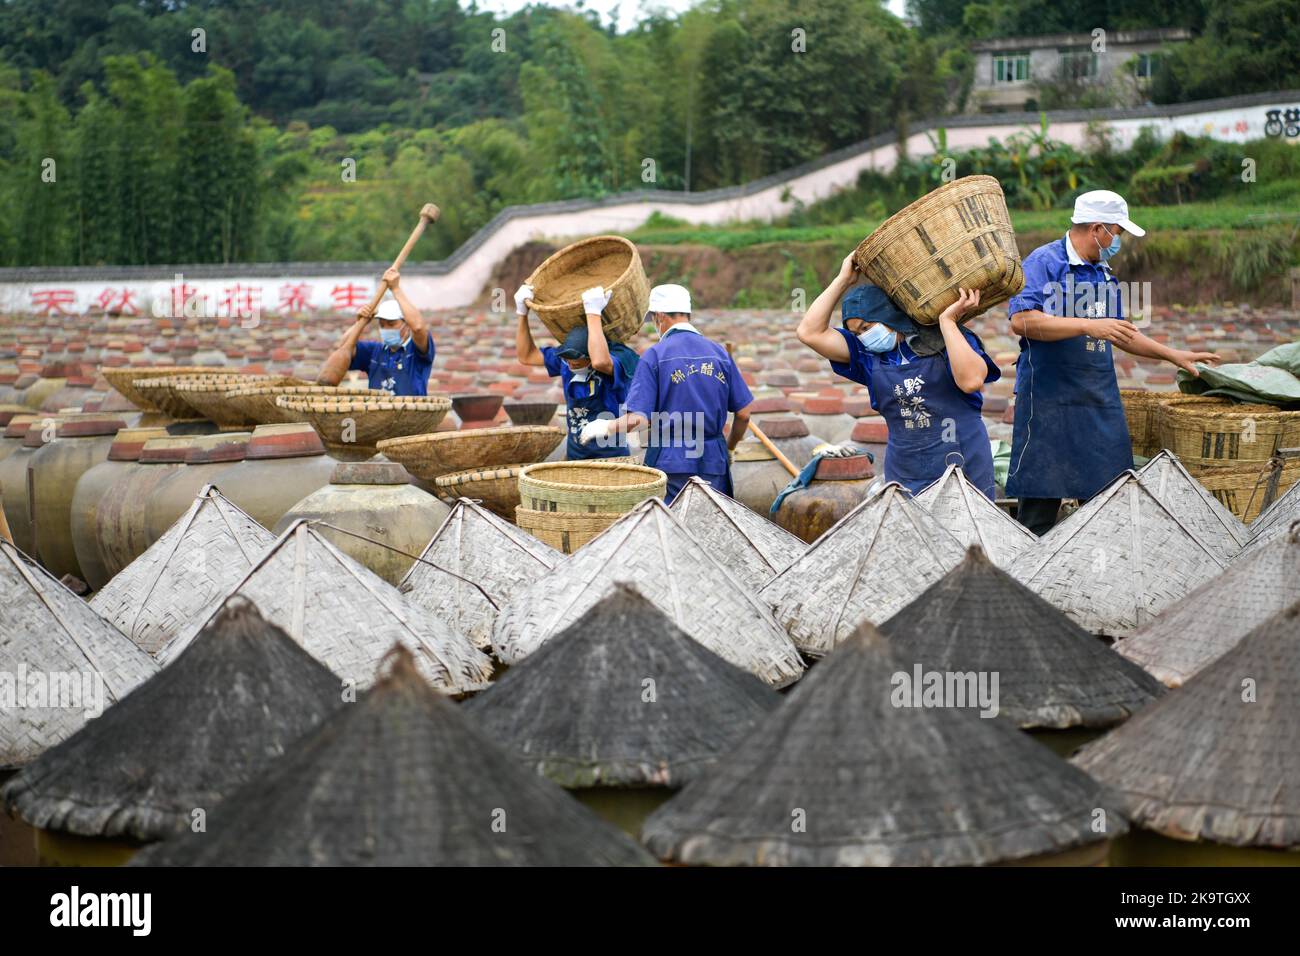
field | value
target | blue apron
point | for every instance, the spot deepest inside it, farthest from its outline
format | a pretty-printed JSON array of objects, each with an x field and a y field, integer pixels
[
  {"x": 1070, "y": 438},
  {"x": 677, "y": 480},
  {"x": 917, "y": 400},
  {"x": 584, "y": 402}
]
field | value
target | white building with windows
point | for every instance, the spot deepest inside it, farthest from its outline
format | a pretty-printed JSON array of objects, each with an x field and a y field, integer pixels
[{"x": 1009, "y": 71}]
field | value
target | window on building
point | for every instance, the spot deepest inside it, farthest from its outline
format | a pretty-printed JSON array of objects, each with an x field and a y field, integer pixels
[
  {"x": 1078, "y": 64},
  {"x": 1145, "y": 65},
  {"x": 1011, "y": 68}
]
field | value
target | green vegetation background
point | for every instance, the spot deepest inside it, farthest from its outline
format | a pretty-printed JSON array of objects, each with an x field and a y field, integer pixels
[{"x": 121, "y": 143}]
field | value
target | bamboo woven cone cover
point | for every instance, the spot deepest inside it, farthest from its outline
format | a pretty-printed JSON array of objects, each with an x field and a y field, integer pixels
[
  {"x": 577, "y": 711},
  {"x": 756, "y": 549},
  {"x": 1118, "y": 561},
  {"x": 957, "y": 237},
  {"x": 1279, "y": 517},
  {"x": 473, "y": 565},
  {"x": 972, "y": 518},
  {"x": 609, "y": 261},
  {"x": 1217, "y": 759},
  {"x": 399, "y": 778},
  {"x": 345, "y": 615},
  {"x": 123, "y": 381},
  {"x": 650, "y": 549},
  {"x": 1167, "y": 479},
  {"x": 1210, "y": 620},
  {"x": 187, "y": 737},
  {"x": 1052, "y": 673},
  {"x": 351, "y": 427},
  {"x": 200, "y": 558},
  {"x": 874, "y": 560},
  {"x": 879, "y": 784},
  {"x": 50, "y": 639},
  {"x": 257, "y": 403}
]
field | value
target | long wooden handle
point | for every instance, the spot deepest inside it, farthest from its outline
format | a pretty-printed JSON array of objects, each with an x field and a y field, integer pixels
[
  {"x": 776, "y": 452},
  {"x": 429, "y": 213}
]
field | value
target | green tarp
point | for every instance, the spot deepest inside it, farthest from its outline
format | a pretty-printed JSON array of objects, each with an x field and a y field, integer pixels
[{"x": 1272, "y": 379}]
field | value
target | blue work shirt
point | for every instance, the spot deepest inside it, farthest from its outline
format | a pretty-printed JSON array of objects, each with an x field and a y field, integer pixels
[
  {"x": 862, "y": 360},
  {"x": 585, "y": 401},
  {"x": 402, "y": 371},
  {"x": 1060, "y": 282},
  {"x": 685, "y": 386}
]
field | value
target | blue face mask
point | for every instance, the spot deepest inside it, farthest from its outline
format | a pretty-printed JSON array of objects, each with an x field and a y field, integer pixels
[
  {"x": 390, "y": 337},
  {"x": 878, "y": 338},
  {"x": 1110, "y": 250}
]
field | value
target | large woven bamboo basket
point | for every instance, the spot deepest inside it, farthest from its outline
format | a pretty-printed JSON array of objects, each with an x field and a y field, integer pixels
[
  {"x": 958, "y": 236},
  {"x": 565, "y": 531},
  {"x": 257, "y": 402},
  {"x": 595, "y": 487},
  {"x": 432, "y": 456},
  {"x": 1241, "y": 487},
  {"x": 123, "y": 380},
  {"x": 496, "y": 488},
  {"x": 164, "y": 391},
  {"x": 351, "y": 428},
  {"x": 609, "y": 261},
  {"x": 207, "y": 396},
  {"x": 1140, "y": 411},
  {"x": 1210, "y": 433}
]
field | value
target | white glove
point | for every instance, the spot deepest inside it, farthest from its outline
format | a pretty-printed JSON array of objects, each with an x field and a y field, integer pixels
[
  {"x": 595, "y": 300},
  {"x": 524, "y": 293},
  {"x": 844, "y": 450},
  {"x": 600, "y": 428}
]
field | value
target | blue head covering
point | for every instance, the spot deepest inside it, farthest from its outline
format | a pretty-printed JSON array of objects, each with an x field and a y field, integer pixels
[
  {"x": 869, "y": 303},
  {"x": 575, "y": 344}
]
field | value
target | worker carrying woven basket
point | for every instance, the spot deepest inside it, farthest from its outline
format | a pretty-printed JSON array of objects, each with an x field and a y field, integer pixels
[
  {"x": 1070, "y": 437},
  {"x": 684, "y": 387},
  {"x": 925, "y": 381},
  {"x": 400, "y": 362},
  {"x": 594, "y": 373}
]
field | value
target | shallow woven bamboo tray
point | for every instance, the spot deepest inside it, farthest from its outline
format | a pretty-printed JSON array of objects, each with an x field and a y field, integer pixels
[
  {"x": 496, "y": 488},
  {"x": 597, "y": 487},
  {"x": 431, "y": 456},
  {"x": 1206, "y": 433},
  {"x": 958, "y": 236},
  {"x": 257, "y": 403},
  {"x": 1140, "y": 411},
  {"x": 208, "y": 396},
  {"x": 1240, "y": 487},
  {"x": 565, "y": 531},
  {"x": 164, "y": 391},
  {"x": 609, "y": 261},
  {"x": 123, "y": 379},
  {"x": 351, "y": 428}
]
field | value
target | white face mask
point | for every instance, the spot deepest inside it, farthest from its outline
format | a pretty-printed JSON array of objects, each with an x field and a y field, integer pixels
[
  {"x": 581, "y": 374},
  {"x": 878, "y": 338}
]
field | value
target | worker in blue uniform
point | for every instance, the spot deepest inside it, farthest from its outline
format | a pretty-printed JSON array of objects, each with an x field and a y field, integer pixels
[
  {"x": 684, "y": 388},
  {"x": 1070, "y": 437},
  {"x": 594, "y": 373},
  {"x": 400, "y": 362},
  {"x": 925, "y": 381}
]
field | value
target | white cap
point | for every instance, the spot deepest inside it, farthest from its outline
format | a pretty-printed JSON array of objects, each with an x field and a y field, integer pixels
[
  {"x": 388, "y": 309},
  {"x": 669, "y": 298},
  {"x": 1102, "y": 205}
]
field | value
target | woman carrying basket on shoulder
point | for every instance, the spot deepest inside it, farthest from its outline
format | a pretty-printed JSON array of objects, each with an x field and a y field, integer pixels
[
  {"x": 925, "y": 381},
  {"x": 594, "y": 373}
]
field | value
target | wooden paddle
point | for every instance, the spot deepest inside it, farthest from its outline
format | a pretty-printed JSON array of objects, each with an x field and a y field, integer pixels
[
  {"x": 428, "y": 213},
  {"x": 767, "y": 442}
]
